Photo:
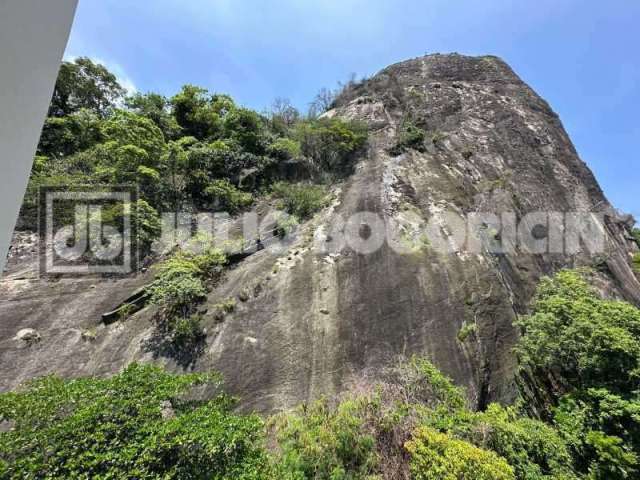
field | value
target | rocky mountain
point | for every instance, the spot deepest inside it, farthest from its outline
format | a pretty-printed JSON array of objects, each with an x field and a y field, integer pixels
[{"x": 450, "y": 137}]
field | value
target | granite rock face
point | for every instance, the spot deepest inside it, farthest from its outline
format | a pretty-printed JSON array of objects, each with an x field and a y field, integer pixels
[{"x": 318, "y": 316}]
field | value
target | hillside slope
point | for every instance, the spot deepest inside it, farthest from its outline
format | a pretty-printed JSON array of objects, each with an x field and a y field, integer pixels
[{"x": 316, "y": 317}]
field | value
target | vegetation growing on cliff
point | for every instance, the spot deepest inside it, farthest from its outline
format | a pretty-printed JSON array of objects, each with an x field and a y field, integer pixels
[
  {"x": 196, "y": 149},
  {"x": 590, "y": 347}
]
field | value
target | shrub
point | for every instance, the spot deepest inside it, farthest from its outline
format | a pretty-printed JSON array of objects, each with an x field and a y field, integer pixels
[
  {"x": 227, "y": 197},
  {"x": 223, "y": 308},
  {"x": 300, "y": 200},
  {"x": 331, "y": 144},
  {"x": 285, "y": 149},
  {"x": 410, "y": 137},
  {"x": 466, "y": 330},
  {"x": 536, "y": 451},
  {"x": 286, "y": 224},
  {"x": 636, "y": 263},
  {"x": 419, "y": 382},
  {"x": 436, "y": 456},
  {"x": 180, "y": 283},
  {"x": 177, "y": 293},
  {"x": 186, "y": 332},
  {"x": 137, "y": 424},
  {"x": 319, "y": 441}
]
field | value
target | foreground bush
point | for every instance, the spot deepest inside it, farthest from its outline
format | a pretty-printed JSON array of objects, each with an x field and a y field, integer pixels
[
  {"x": 323, "y": 441},
  {"x": 138, "y": 424},
  {"x": 436, "y": 456}
]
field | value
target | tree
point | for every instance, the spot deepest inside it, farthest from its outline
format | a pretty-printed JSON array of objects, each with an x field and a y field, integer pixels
[
  {"x": 128, "y": 128},
  {"x": 156, "y": 108},
  {"x": 198, "y": 113},
  {"x": 331, "y": 143},
  {"x": 62, "y": 136},
  {"x": 322, "y": 102},
  {"x": 246, "y": 128},
  {"x": 590, "y": 346},
  {"x": 84, "y": 84},
  {"x": 283, "y": 115}
]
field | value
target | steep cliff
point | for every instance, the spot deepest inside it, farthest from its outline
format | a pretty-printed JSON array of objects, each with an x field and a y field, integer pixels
[{"x": 450, "y": 136}]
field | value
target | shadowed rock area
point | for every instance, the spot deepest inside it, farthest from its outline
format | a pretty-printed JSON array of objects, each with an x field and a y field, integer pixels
[{"x": 315, "y": 317}]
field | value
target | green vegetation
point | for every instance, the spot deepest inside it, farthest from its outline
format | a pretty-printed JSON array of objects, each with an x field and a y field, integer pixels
[
  {"x": 138, "y": 424},
  {"x": 180, "y": 285},
  {"x": 300, "y": 200},
  {"x": 224, "y": 308},
  {"x": 410, "y": 137},
  {"x": 591, "y": 347},
  {"x": 414, "y": 423},
  {"x": 636, "y": 234},
  {"x": 321, "y": 441},
  {"x": 636, "y": 263},
  {"x": 466, "y": 330},
  {"x": 436, "y": 456},
  {"x": 195, "y": 150},
  {"x": 330, "y": 143}
]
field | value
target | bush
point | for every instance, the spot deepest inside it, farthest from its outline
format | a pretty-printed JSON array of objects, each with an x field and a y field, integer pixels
[
  {"x": 419, "y": 382},
  {"x": 331, "y": 144},
  {"x": 300, "y": 200},
  {"x": 636, "y": 234},
  {"x": 285, "y": 149},
  {"x": 436, "y": 456},
  {"x": 536, "y": 451},
  {"x": 466, "y": 330},
  {"x": 324, "y": 442},
  {"x": 180, "y": 283},
  {"x": 286, "y": 224},
  {"x": 410, "y": 137},
  {"x": 227, "y": 197},
  {"x": 137, "y": 424},
  {"x": 223, "y": 308},
  {"x": 186, "y": 332},
  {"x": 636, "y": 263}
]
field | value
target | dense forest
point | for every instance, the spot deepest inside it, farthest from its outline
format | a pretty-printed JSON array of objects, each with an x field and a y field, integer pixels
[{"x": 578, "y": 413}]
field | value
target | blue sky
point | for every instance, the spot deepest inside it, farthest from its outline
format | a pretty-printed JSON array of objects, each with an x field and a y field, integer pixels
[{"x": 581, "y": 56}]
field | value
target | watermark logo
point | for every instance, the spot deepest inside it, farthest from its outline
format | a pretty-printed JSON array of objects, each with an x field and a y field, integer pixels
[
  {"x": 85, "y": 230},
  {"x": 93, "y": 231}
]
